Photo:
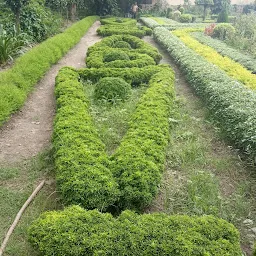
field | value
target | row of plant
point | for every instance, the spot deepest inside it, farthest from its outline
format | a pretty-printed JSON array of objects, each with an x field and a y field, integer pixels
[
  {"x": 78, "y": 232},
  {"x": 121, "y": 51},
  {"x": 17, "y": 82},
  {"x": 232, "y": 105},
  {"x": 222, "y": 48},
  {"x": 233, "y": 69}
]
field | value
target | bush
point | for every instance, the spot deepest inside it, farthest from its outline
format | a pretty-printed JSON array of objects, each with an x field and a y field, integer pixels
[
  {"x": 112, "y": 89},
  {"x": 223, "y": 17},
  {"x": 185, "y": 18},
  {"x": 122, "y": 44},
  {"x": 115, "y": 55},
  {"x": 176, "y": 15},
  {"x": 77, "y": 232},
  {"x": 18, "y": 81},
  {"x": 223, "y": 31},
  {"x": 116, "y": 21},
  {"x": 80, "y": 157}
]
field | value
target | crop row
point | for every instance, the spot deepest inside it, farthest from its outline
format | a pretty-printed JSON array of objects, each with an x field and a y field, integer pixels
[
  {"x": 77, "y": 232},
  {"x": 17, "y": 82},
  {"x": 233, "y": 69},
  {"x": 222, "y": 48},
  {"x": 232, "y": 105}
]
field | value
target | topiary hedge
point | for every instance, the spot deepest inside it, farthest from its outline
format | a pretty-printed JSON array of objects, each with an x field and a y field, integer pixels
[
  {"x": 17, "y": 82},
  {"x": 231, "y": 104},
  {"x": 77, "y": 232},
  {"x": 118, "y": 21},
  {"x": 112, "y": 89},
  {"x": 80, "y": 157}
]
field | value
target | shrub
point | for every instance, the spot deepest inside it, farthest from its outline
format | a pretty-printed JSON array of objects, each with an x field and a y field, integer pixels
[
  {"x": 122, "y": 44},
  {"x": 185, "y": 18},
  {"x": 223, "y": 31},
  {"x": 112, "y": 89},
  {"x": 80, "y": 157},
  {"x": 209, "y": 30},
  {"x": 223, "y": 17},
  {"x": 116, "y": 21},
  {"x": 77, "y": 232},
  {"x": 29, "y": 68},
  {"x": 115, "y": 55},
  {"x": 176, "y": 15}
]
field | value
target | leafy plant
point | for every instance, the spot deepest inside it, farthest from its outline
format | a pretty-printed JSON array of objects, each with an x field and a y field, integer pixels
[
  {"x": 223, "y": 31},
  {"x": 185, "y": 18}
]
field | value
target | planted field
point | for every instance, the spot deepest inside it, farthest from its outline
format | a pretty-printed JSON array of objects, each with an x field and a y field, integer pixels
[{"x": 139, "y": 165}]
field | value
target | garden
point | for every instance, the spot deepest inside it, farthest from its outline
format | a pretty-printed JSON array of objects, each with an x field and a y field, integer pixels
[{"x": 153, "y": 144}]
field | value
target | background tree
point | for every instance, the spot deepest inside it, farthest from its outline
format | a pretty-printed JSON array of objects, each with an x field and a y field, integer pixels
[
  {"x": 205, "y": 4},
  {"x": 220, "y": 5},
  {"x": 16, "y": 6}
]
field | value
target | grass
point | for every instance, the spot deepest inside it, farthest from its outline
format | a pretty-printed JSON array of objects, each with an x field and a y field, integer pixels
[{"x": 17, "y": 182}]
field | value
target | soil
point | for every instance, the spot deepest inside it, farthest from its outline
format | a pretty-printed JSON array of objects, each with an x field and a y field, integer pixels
[{"x": 29, "y": 131}]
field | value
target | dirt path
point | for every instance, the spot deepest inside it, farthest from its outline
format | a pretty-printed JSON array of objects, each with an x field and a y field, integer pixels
[{"x": 29, "y": 131}]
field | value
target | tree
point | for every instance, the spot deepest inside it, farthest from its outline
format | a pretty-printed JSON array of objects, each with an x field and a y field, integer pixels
[
  {"x": 205, "y": 4},
  {"x": 16, "y": 6},
  {"x": 220, "y": 5}
]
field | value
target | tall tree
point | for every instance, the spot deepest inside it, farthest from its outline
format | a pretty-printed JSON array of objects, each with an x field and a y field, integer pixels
[
  {"x": 205, "y": 4},
  {"x": 220, "y": 5},
  {"x": 16, "y": 6}
]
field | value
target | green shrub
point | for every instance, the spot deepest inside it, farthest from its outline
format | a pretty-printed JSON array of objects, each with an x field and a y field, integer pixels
[
  {"x": 30, "y": 68},
  {"x": 80, "y": 158},
  {"x": 138, "y": 162},
  {"x": 185, "y": 18},
  {"x": 115, "y": 55},
  {"x": 122, "y": 44},
  {"x": 112, "y": 89},
  {"x": 223, "y": 31},
  {"x": 116, "y": 21},
  {"x": 77, "y": 232},
  {"x": 223, "y": 17}
]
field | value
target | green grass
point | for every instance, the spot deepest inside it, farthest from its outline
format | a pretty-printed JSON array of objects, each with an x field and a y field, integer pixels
[{"x": 17, "y": 182}]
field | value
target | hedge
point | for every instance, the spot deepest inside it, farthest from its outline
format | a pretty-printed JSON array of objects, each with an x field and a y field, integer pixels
[
  {"x": 222, "y": 48},
  {"x": 138, "y": 162},
  {"x": 17, "y": 82},
  {"x": 136, "y": 45},
  {"x": 232, "y": 68},
  {"x": 77, "y": 232},
  {"x": 231, "y": 104},
  {"x": 80, "y": 157},
  {"x": 108, "y": 30},
  {"x": 118, "y": 21}
]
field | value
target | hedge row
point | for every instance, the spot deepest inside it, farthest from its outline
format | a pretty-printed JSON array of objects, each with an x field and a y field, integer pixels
[
  {"x": 232, "y": 105},
  {"x": 16, "y": 83},
  {"x": 77, "y": 232},
  {"x": 222, "y": 48},
  {"x": 126, "y": 43},
  {"x": 232, "y": 68},
  {"x": 108, "y": 30},
  {"x": 135, "y": 76},
  {"x": 118, "y": 21},
  {"x": 80, "y": 157},
  {"x": 138, "y": 162}
]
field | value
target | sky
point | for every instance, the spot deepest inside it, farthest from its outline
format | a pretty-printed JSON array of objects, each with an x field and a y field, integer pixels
[{"x": 176, "y": 2}]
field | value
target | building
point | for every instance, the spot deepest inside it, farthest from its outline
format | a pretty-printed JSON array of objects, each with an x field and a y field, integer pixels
[{"x": 146, "y": 4}]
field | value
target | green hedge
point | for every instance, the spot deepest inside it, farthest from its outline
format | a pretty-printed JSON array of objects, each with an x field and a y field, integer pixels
[
  {"x": 80, "y": 157},
  {"x": 231, "y": 104},
  {"x": 16, "y": 83},
  {"x": 118, "y": 21},
  {"x": 136, "y": 46},
  {"x": 138, "y": 162},
  {"x": 221, "y": 47},
  {"x": 108, "y": 30},
  {"x": 77, "y": 232}
]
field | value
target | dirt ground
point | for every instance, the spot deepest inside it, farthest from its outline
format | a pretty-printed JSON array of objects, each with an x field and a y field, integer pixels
[{"x": 29, "y": 131}]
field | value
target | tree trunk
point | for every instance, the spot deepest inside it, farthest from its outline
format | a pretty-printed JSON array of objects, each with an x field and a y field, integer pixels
[
  {"x": 73, "y": 12},
  {"x": 17, "y": 18},
  {"x": 205, "y": 7}
]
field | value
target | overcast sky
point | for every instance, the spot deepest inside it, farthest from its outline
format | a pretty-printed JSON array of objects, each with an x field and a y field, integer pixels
[{"x": 176, "y": 2}]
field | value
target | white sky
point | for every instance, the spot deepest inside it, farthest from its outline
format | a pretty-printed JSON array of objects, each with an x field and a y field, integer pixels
[{"x": 176, "y": 2}]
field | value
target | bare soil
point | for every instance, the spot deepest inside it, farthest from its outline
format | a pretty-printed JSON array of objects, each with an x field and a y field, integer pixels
[{"x": 29, "y": 131}]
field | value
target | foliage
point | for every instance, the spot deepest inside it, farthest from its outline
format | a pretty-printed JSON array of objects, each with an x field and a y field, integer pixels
[
  {"x": 222, "y": 48},
  {"x": 176, "y": 15},
  {"x": 18, "y": 81},
  {"x": 209, "y": 30},
  {"x": 116, "y": 21},
  {"x": 185, "y": 18},
  {"x": 115, "y": 55},
  {"x": 223, "y": 17},
  {"x": 122, "y": 45},
  {"x": 231, "y": 105},
  {"x": 70, "y": 233},
  {"x": 220, "y": 5},
  {"x": 223, "y": 31},
  {"x": 232, "y": 68},
  {"x": 112, "y": 89},
  {"x": 80, "y": 158},
  {"x": 205, "y": 4}
]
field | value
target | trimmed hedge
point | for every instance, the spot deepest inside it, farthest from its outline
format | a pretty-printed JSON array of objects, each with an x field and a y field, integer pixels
[
  {"x": 136, "y": 45},
  {"x": 77, "y": 232},
  {"x": 109, "y": 30},
  {"x": 80, "y": 157},
  {"x": 118, "y": 21},
  {"x": 222, "y": 48},
  {"x": 231, "y": 104},
  {"x": 17, "y": 82},
  {"x": 138, "y": 162}
]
